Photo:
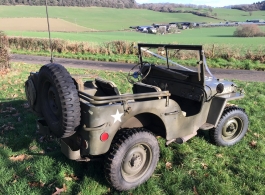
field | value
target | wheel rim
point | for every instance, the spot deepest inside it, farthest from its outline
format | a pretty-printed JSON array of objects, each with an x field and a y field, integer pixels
[
  {"x": 136, "y": 162},
  {"x": 52, "y": 100},
  {"x": 232, "y": 129}
]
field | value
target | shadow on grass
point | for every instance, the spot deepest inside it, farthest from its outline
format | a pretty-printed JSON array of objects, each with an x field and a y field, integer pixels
[
  {"x": 16, "y": 124},
  {"x": 204, "y": 134},
  {"x": 48, "y": 164},
  {"x": 19, "y": 136},
  {"x": 223, "y": 36}
]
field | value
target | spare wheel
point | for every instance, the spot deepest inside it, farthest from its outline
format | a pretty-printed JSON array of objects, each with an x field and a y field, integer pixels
[{"x": 59, "y": 100}]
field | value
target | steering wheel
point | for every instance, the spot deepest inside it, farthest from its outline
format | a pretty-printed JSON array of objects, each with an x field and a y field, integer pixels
[{"x": 136, "y": 74}]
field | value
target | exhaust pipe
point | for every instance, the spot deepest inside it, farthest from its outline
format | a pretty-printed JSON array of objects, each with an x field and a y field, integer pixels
[{"x": 181, "y": 140}]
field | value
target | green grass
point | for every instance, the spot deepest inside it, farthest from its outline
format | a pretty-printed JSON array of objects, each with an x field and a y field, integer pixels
[
  {"x": 238, "y": 15},
  {"x": 198, "y": 167},
  {"x": 117, "y": 19},
  {"x": 100, "y": 18},
  {"x": 230, "y": 14},
  {"x": 217, "y": 35}
]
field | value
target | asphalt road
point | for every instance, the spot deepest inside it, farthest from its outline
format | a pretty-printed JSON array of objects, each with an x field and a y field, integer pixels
[{"x": 244, "y": 75}]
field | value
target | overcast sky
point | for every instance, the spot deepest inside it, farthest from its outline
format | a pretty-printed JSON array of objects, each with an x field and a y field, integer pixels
[{"x": 213, "y": 3}]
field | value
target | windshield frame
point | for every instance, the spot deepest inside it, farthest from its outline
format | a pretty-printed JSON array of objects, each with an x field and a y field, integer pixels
[{"x": 200, "y": 63}]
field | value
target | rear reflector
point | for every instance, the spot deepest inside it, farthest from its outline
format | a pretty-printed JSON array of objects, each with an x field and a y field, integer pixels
[{"x": 104, "y": 137}]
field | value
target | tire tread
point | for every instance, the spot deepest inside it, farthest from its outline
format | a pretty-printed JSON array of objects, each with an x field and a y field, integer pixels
[{"x": 68, "y": 94}]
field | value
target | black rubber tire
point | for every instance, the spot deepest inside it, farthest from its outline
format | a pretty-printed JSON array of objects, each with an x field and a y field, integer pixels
[
  {"x": 31, "y": 92},
  {"x": 122, "y": 146},
  {"x": 231, "y": 127},
  {"x": 59, "y": 99},
  {"x": 31, "y": 87}
]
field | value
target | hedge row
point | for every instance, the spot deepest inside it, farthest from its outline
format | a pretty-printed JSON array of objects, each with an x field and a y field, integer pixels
[
  {"x": 4, "y": 52},
  {"x": 62, "y": 46},
  {"x": 128, "y": 48}
]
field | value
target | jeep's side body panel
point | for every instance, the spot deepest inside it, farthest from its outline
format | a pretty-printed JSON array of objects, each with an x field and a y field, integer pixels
[{"x": 110, "y": 118}]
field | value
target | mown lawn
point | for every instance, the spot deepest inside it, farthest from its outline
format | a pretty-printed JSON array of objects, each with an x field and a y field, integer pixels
[{"x": 32, "y": 164}]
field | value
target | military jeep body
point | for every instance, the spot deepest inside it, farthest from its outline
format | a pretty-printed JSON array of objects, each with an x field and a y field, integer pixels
[{"x": 94, "y": 118}]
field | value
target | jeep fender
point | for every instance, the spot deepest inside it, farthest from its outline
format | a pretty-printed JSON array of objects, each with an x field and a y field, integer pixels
[{"x": 217, "y": 107}]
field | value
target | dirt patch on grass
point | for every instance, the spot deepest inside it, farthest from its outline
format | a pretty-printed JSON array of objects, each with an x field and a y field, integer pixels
[{"x": 39, "y": 24}]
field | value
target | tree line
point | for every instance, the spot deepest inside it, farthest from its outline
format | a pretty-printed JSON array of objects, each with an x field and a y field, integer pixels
[
  {"x": 161, "y": 7},
  {"x": 78, "y": 3},
  {"x": 169, "y": 7},
  {"x": 251, "y": 7}
]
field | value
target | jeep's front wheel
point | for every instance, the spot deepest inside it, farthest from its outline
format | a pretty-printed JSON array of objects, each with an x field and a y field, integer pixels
[
  {"x": 231, "y": 128},
  {"x": 132, "y": 158}
]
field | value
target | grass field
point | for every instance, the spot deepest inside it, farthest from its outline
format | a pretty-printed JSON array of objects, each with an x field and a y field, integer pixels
[
  {"x": 33, "y": 164},
  {"x": 100, "y": 18},
  {"x": 117, "y": 19},
  {"x": 218, "y": 35},
  {"x": 231, "y": 14}
]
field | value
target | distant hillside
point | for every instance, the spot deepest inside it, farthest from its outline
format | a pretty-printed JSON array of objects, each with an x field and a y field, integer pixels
[
  {"x": 78, "y": 3},
  {"x": 169, "y": 7},
  {"x": 251, "y": 7},
  {"x": 161, "y": 7},
  {"x": 100, "y": 18}
]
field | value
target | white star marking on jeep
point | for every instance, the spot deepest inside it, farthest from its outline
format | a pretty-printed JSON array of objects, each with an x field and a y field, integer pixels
[{"x": 117, "y": 116}]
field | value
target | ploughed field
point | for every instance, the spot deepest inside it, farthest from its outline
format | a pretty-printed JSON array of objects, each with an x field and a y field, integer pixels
[{"x": 39, "y": 24}]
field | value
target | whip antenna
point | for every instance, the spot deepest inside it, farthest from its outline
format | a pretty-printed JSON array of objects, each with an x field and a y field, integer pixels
[{"x": 49, "y": 31}]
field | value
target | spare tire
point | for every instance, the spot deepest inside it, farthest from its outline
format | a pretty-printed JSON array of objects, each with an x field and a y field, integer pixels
[{"x": 59, "y": 100}]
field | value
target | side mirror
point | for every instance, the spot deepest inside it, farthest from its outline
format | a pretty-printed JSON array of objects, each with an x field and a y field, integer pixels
[{"x": 220, "y": 88}]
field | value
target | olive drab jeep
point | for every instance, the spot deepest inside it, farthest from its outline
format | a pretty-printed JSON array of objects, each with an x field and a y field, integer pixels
[{"x": 93, "y": 119}]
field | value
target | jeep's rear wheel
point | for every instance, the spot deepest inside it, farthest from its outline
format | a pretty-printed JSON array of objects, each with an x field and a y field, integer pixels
[
  {"x": 132, "y": 158},
  {"x": 231, "y": 128},
  {"x": 59, "y": 99}
]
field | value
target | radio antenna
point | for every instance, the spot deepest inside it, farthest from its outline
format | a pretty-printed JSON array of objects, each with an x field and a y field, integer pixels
[{"x": 48, "y": 22}]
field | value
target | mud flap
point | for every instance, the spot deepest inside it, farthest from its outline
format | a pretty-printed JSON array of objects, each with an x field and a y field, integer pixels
[{"x": 73, "y": 154}]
